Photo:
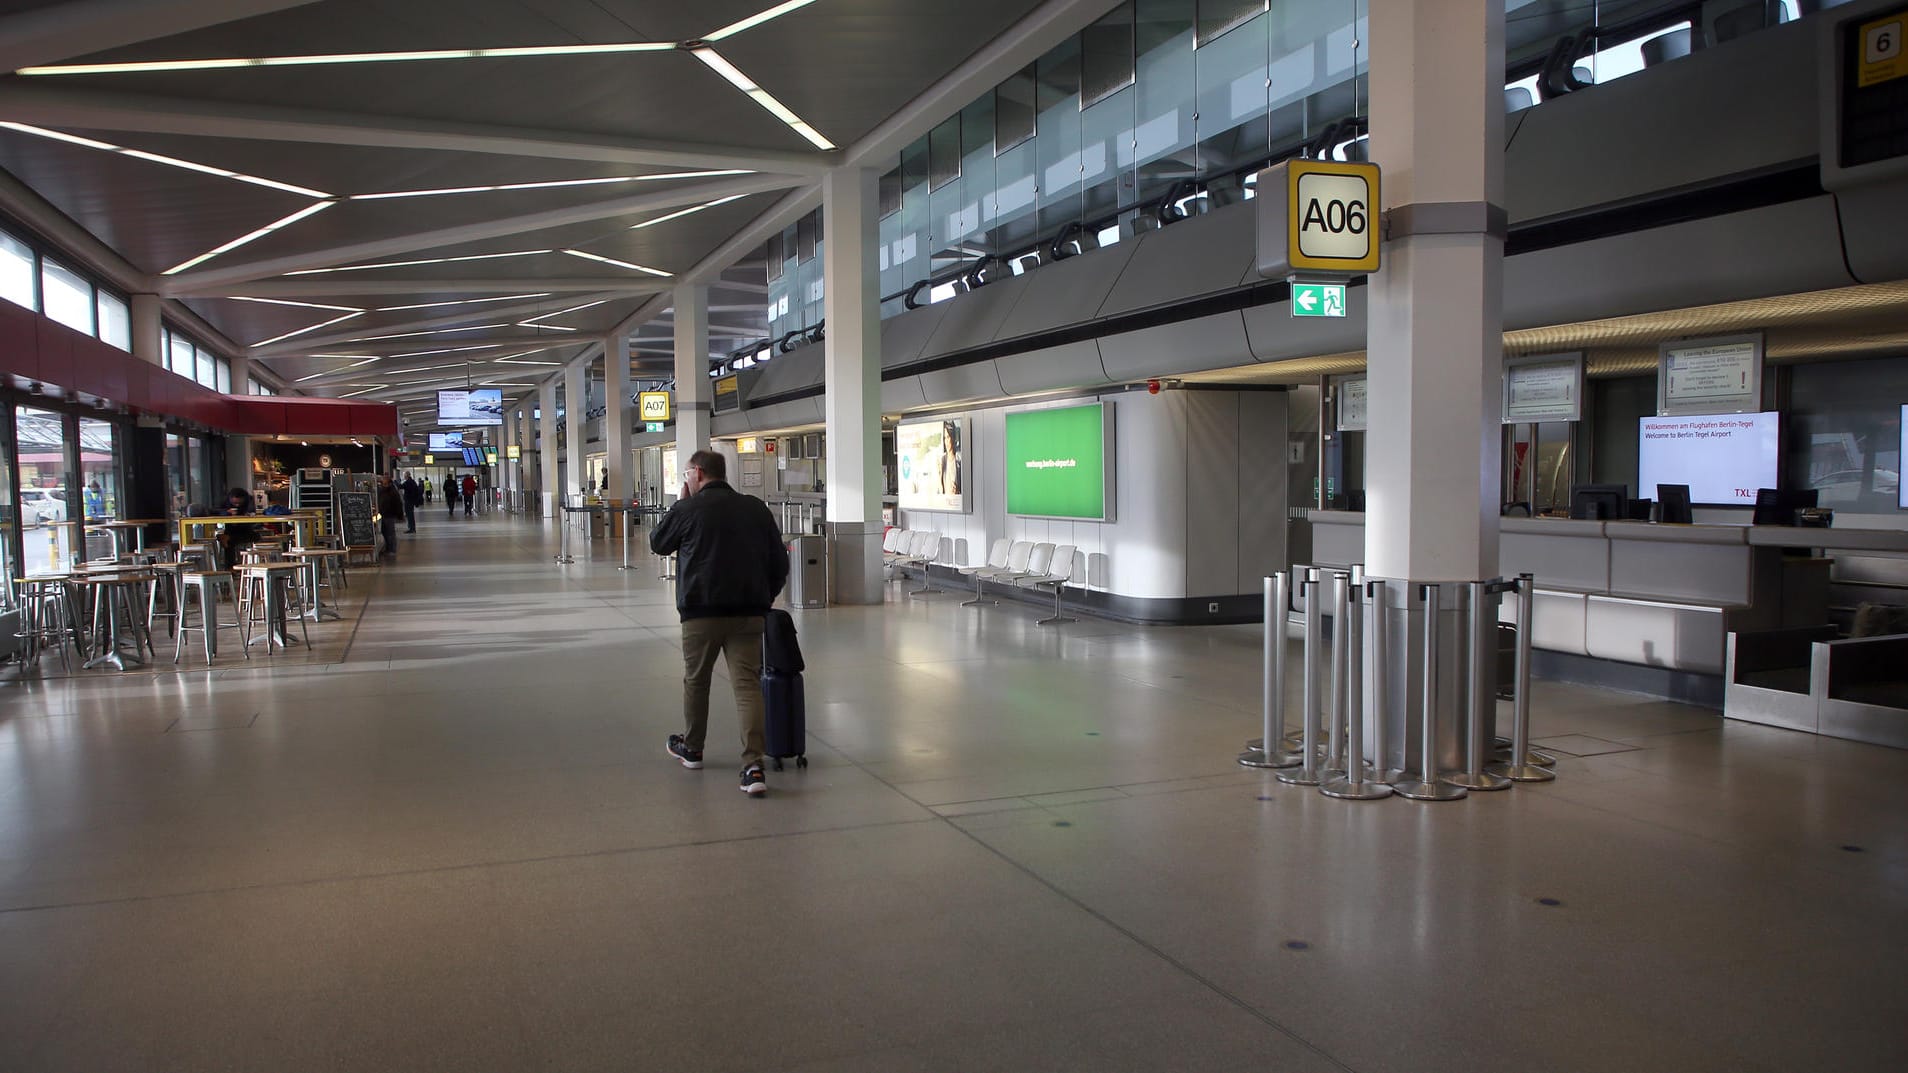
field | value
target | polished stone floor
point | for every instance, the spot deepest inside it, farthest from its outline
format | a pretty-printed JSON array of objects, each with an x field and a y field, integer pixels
[{"x": 447, "y": 838}]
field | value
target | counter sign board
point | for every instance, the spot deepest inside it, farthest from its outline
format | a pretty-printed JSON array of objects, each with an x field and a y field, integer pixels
[{"x": 1318, "y": 216}]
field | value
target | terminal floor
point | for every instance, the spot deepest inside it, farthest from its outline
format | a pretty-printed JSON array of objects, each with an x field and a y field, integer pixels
[{"x": 449, "y": 839}]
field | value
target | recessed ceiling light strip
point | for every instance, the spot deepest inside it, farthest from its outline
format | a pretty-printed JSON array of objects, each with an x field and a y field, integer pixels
[
  {"x": 463, "y": 302},
  {"x": 551, "y": 185},
  {"x": 434, "y": 331},
  {"x": 411, "y": 264},
  {"x": 761, "y": 96},
  {"x": 289, "y": 302},
  {"x": 169, "y": 161},
  {"x": 753, "y": 21},
  {"x": 231, "y": 63},
  {"x": 303, "y": 331},
  {"x": 366, "y": 391},
  {"x": 619, "y": 264},
  {"x": 535, "y": 322}
]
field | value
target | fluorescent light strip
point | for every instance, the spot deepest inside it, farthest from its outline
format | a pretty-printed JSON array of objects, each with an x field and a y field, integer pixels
[
  {"x": 551, "y": 185},
  {"x": 464, "y": 302},
  {"x": 366, "y": 391},
  {"x": 619, "y": 264},
  {"x": 532, "y": 322},
  {"x": 411, "y": 264},
  {"x": 761, "y": 96},
  {"x": 149, "y": 66},
  {"x": 680, "y": 213},
  {"x": 309, "y": 210},
  {"x": 304, "y": 331},
  {"x": 169, "y": 161},
  {"x": 448, "y": 350},
  {"x": 513, "y": 361},
  {"x": 289, "y": 302},
  {"x": 436, "y": 331},
  {"x": 753, "y": 21}
]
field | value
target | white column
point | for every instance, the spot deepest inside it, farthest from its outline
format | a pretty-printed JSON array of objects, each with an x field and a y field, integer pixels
[
  {"x": 148, "y": 329},
  {"x": 852, "y": 404},
  {"x": 616, "y": 456},
  {"x": 576, "y": 424},
  {"x": 238, "y": 449},
  {"x": 693, "y": 390},
  {"x": 547, "y": 450},
  {"x": 1436, "y": 309}
]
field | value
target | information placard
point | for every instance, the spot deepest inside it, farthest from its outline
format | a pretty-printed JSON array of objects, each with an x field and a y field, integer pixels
[
  {"x": 1060, "y": 462},
  {"x": 1723, "y": 458},
  {"x": 1710, "y": 376},
  {"x": 1543, "y": 387},
  {"x": 354, "y": 518},
  {"x": 1352, "y": 403}
]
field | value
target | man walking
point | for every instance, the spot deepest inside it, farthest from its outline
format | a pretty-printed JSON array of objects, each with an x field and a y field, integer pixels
[
  {"x": 391, "y": 508},
  {"x": 450, "y": 496},
  {"x": 413, "y": 499},
  {"x": 470, "y": 494},
  {"x": 730, "y": 566},
  {"x": 427, "y": 490}
]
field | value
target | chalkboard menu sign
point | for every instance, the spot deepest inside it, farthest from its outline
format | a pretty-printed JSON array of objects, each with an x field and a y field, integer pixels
[{"x": 354, "y": 517}]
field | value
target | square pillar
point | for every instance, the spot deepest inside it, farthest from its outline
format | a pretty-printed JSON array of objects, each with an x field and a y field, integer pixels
[
  {"x": 576, "y": 422},
  {"x": 616, "y": 416},
  {"x": 547, "y": 449},
  {"x": 693, "y": 390},
  {"x": 148, "y": 329},
  {"x": 852, "y": 403}
]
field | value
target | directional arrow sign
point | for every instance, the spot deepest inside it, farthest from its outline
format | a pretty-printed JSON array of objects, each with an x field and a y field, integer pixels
[{"x": 1318, "y": 299}]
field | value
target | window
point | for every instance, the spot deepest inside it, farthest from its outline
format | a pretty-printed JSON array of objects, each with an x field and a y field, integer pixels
[
  {"x": 777, "y": 253},
  {"x": 179, "y": 354},
  {"x": 1218, "y": 16},
  {"x": 888, "y": 194},
  {"x": 16, "y": 272},
  {"x": 1014, "y": 110},
  {"x": 66, "y": 296},
  {"x": 805, "y": 237},
  {"x": 115, "y": 322},
  {"x": 1626, "y": 57},
  {"x": 225, "y": 377},
  {"x": 206, "y": 366},
  {"x": 944, "y": 153},
  {"x": 1106, "y": 55}
]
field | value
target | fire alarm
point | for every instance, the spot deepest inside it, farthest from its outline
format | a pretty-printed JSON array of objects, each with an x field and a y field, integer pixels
[{"x": 1152, "y": 387}]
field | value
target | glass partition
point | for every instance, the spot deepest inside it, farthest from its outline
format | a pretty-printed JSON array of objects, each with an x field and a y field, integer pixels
[
  {"x": 99, "y": 469},
  {"x": 49, "y": 524}
]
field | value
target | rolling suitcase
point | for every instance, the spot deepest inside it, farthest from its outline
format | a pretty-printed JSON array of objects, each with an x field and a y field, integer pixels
[{"x": 785, "y": 721}]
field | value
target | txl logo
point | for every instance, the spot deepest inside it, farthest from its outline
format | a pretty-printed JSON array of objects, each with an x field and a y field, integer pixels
[{"x": 1745, "y": 493}]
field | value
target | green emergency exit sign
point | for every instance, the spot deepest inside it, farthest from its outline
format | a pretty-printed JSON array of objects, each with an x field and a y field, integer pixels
[
  {"x": 652, "y": 426},
  {"x": 1318, "y": 299}
]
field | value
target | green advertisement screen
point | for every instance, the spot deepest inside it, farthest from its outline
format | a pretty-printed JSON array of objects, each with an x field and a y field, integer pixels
[{"x": 1056, "y": 462}]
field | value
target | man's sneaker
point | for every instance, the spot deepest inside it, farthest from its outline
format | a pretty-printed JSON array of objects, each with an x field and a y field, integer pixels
[
  {"x": 753, "y": 782},
  {"x": 679, "y": 748}
]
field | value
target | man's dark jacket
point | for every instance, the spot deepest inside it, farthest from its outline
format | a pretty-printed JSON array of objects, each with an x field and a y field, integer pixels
[{"x": 729, "y": 554}]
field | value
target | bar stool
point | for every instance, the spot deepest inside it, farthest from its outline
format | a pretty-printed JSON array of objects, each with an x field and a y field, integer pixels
[
  {"x": 209, "y": 586},
  {"x": 326, "y": 566},
  {"x": 166, "y": 580},
  {"x": 268, "y": 593},
  {"x": 48, "y": 617}
]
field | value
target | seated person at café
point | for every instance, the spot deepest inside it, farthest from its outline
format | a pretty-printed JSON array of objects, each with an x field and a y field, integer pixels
[{"x": 237, "y": 536}]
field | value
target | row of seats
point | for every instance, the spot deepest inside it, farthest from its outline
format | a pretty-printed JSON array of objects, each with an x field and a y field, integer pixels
[{"x": 1021, "y": 564}]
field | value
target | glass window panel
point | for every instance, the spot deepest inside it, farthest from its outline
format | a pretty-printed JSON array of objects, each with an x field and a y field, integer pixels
[
  {"x": 944, "y": 153},
  {"x": 16, "y": 272},
  {"x": 115, "y": 321},
  {"x": 9, "y": 553},
  {"x": 225, "y": 377},
  {"x": 1218, "y": 16},
  {"x": 66, "y": 296},
  {"x": 775, "y": 255},
  {"x": 888, "y": 196},
  {"x": 179, "y": 351},
  {"x": 1057, "y": 142},
  {"x": 1163, "y": 128},
  {"x": 49, "y": 523},
  {"x": 1843, "y": 434},
  {"x": 99, "y": 468},
  {"x": 1014, "y": 109},
  {"x": 807, "y": 232},
  {"x": 1106, "y": 54},
  {"x": 207, "y": 369}
]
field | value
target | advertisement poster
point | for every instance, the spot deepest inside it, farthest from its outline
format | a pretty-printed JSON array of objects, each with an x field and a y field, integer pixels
[
  {"x": 930, "y": 459},
  {"x": 449, "y": 443},
  {"x": 1059, "y": 463},
  {"x": 1723, "y": 458},
  {"x": 474, "y": 406}
]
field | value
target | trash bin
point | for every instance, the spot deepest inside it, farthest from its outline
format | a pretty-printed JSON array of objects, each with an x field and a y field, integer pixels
[{"x": 807, "y": 572}]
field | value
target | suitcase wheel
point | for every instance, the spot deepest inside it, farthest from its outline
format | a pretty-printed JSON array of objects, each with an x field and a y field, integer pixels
[
  {"x": 778, "y": 763},
  {"x": 801, "y": 761}
]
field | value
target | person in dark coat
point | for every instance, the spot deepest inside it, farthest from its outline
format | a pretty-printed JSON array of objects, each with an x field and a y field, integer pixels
[
  {"x": 413, "y": 499},
  {"x": 391, "y": 507}
]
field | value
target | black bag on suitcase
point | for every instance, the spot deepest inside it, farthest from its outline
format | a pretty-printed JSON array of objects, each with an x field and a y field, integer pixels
[{"x": 785, "y": 722}]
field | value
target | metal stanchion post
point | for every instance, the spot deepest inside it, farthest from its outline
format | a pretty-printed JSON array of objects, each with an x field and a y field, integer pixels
[
  {"x": 1307, "y": 772},
  {"x": 1521, "y": 768},
  {"x": 1272, "y": 683},
  {"x": 563, "y": 535},
  {"x": 1378, "y": 643},
  {"x": 629, "y": 522},
  {"x": 1338, "y": 702},
  {"x": 1352, "y": 783},
  {"x": 1482, "y": 693},
  {"x": 1426, "y": 786}
]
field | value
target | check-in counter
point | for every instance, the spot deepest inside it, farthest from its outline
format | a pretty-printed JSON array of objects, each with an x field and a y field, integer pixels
[{"x": 1657, "y": 595}]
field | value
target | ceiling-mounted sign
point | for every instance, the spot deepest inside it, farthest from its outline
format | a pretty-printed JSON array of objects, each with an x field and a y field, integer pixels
[
  {"x": 1318, "y": 299},
  {"x": 653, "y": 426},
  {"x": 653, "y": 405},
  {"x": 1317, "y": 216},
  {"x": 1721, "y": 375},
  {"x": 513, "y": 452},
  {"x": 728, "y": 394},
  {"x": 1352, "y": 402},
  {"x": 1543, "y": 387}
]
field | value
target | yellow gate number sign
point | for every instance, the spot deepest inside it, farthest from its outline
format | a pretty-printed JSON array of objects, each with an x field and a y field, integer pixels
[
  {"x": 1882, "y": 59},
  {"x": 654, "y": 405}
]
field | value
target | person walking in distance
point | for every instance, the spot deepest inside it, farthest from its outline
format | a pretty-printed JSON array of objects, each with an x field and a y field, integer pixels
[
  {"x": 427, "y": 490},
  {"x": 450, "y": 496},
  {"x": 413, "y": 499},
  {"x": 730, "y": 566},
  {"x": 470, "y": 494},
  {"x": 391, "y": 507}
]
